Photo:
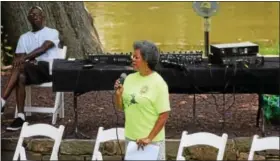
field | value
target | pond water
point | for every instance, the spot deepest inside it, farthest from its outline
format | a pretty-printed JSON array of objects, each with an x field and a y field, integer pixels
[{"x": 175, "y": 25}]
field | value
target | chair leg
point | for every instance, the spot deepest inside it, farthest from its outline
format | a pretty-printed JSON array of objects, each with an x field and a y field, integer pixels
[
  {"x": 28, "y": 99},
  {"x": 54, "y": 118},
  {"x": 56, "y": 107},
  {"x": 61, "y": 111}
]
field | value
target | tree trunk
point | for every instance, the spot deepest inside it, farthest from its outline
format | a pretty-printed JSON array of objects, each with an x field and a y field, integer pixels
[{"x": 69, "y": 18}]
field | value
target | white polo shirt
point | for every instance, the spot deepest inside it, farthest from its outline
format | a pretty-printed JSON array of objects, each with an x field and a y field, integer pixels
[{"x": 33, "y": 40}]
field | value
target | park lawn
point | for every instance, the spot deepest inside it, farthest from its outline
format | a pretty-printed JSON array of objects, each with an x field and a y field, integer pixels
[{"x": 272, "y": 50}]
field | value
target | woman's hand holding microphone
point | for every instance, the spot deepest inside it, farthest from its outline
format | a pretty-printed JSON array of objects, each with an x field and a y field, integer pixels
[
  {"x": 119, "y": 91},
  {"x": 119, "y": 84},
  {"x": 119, "y": 88}
]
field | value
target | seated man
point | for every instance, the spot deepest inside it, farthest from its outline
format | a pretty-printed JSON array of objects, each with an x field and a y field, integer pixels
[{"x": 35, "y": 50}]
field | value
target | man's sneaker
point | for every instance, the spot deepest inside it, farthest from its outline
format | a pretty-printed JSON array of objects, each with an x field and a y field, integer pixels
[{"x": 16, "y": 124}]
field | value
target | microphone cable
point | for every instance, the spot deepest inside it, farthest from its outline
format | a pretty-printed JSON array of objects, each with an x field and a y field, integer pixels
[{"x": 117, "y": 121}]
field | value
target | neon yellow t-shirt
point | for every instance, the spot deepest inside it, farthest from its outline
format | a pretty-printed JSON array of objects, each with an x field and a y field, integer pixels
[{"x": 144, "y": 98}]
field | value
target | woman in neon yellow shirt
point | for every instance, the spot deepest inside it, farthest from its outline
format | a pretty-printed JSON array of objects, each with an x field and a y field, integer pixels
[{"x": 144, "y": 97}]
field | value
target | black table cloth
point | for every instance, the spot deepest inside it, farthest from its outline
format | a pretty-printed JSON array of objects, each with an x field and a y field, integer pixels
[{"x": 69, "y": 76}]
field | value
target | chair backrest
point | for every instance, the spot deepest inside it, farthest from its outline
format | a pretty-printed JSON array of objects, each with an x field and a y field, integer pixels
[
  {"x": 202, "y": 138},
  {"x": 106, "y": 135},
  {"x": 62, "y": 55},
  {"x": 39, "y": 130},
  {"x": 266, "y": 143},
  {"x": 63, "y": 52}
]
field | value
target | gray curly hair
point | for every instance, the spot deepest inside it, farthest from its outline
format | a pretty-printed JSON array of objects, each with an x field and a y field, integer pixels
[{"x": 148, "y": 51}]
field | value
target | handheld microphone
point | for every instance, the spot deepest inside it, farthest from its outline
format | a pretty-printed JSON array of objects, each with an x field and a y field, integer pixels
[{"x": 122, "y": 78}]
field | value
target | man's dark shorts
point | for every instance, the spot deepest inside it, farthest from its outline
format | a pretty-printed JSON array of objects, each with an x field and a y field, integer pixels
[{"x": 37, "y": 73}]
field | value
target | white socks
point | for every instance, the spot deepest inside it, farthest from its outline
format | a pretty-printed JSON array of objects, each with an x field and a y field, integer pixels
[
  {"x": 21, "y": 115},
  {"x": 2, "y": 103}
]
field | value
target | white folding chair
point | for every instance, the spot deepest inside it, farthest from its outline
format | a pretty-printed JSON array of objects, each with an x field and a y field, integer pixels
[
  {"x": 57, "y": 109},
  {"x": 202, "y": 138},
  {"x": 106, "y": 135},
  {"x": 39, "y": 130},
  {"x": 266, "y": 143}
]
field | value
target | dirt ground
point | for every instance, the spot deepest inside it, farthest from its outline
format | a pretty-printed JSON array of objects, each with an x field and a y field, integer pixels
[{"x": 95, "y": 109}]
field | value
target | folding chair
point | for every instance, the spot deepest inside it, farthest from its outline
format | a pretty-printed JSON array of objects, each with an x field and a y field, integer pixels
[
  {"x": 106, "y": 135},
  {"x": 202, "y": 138},
  {"x": 266, "y": 143},
  {"x": 58, "y": 107},
  {"x": 39, "y": 130}
]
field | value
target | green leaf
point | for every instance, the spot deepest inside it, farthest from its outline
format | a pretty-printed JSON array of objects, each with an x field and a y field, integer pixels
[{"x": 8, "y": 47}]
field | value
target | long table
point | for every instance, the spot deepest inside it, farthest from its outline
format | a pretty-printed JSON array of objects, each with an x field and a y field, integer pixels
[{"x": 70, "y": 76}]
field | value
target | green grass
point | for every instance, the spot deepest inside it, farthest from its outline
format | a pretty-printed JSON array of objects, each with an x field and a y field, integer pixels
[{"x": 271, "y": 50}]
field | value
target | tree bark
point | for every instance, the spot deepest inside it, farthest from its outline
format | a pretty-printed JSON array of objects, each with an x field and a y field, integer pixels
[{"x": 69, "y": 18}]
